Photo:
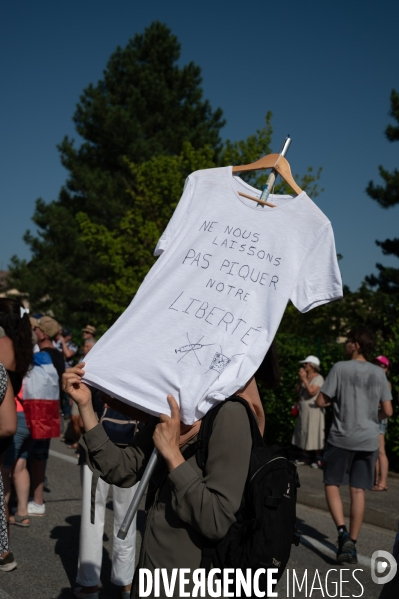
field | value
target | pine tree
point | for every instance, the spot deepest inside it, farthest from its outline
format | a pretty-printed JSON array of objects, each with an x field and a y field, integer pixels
[
  {"x": 126, "y": 251},
  {"x": 145, "y": 105},
  {"x": 387, "y": 195}
]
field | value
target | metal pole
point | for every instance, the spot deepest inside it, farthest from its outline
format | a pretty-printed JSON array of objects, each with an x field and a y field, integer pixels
[
  {"x": 273, "y": 175},
  {"x": 134, "y": 505}
]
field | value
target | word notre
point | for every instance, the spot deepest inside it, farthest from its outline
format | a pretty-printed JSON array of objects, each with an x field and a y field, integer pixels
[{"x": 220, "y": 287}]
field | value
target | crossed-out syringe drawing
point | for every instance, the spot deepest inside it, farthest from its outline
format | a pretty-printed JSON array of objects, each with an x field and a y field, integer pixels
[
  {"x": 219, "y": 360},
  {"x": 192, "y": 347}
]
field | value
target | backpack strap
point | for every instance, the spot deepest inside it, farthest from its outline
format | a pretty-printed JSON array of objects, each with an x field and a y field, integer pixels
[
  {"x": 190, "y": 450},
  {"x": 205, "y": 434},
  {"x": 257, "y": 439},
  {"x": 200, "y": 447},
  {"x": 207, "y": 426},
  {"x": 103, "y": 414}
]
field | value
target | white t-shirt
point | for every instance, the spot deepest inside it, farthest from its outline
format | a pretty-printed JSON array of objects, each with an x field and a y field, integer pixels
[{"x": 208, "y": 310}]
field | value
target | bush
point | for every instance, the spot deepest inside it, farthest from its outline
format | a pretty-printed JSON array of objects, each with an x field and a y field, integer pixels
[{"x": 278, "y": 403}]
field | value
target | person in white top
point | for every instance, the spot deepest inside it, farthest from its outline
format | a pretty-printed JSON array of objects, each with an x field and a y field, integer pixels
[{"x": 309, "y": 429}]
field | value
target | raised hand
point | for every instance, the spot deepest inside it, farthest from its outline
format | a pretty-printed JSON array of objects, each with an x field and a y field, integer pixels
[
  {"x": 167, "y": 435},
  {"x": 302, "y": 374},
  {"x": 81, "y": 395},
  {"x": 72, "y": 384}
]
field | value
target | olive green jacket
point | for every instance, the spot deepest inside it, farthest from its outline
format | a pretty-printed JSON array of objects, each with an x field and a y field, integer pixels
[{"x": 186, "y": 507}]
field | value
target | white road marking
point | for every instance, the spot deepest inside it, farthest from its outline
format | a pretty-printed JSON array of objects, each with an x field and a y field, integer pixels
[
  {"x": 61, "y": 456},
  {"x": 330, "y": 550}
]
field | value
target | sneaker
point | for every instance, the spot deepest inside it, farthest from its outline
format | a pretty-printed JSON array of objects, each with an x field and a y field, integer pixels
[
  {"x": 8, "y": 563},
  {"x": 36, "y": 510},
  {"x": 78, "y": 593},
  {"x": 314, "y": 465},
  {"x": 299, "y": 463},
  {"x": 346, "y": 549}
]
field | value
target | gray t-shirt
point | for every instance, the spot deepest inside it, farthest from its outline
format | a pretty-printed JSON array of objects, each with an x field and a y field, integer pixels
[{"x": 356, "y": 388}]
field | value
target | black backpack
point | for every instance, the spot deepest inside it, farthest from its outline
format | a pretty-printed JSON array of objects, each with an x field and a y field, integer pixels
[
  {"x": 264, "y": 530},
  {"x": 119, "y": 428}
]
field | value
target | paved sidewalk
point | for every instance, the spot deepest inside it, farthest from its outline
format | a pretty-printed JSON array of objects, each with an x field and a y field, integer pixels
[
  {"x": 47, "y": 551},
  {"x": 382, "y": 507}
]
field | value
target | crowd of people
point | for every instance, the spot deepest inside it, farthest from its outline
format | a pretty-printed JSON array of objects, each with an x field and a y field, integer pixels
[
  {"x": 354, "y": 451},
  {"x": 34, "y": 354},
  {"x": 187, "y": 507}
]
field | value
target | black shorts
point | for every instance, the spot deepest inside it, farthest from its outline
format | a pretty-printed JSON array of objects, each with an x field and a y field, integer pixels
[
  {"x": 345, "y": 466},
  {"x": 40, "y": 449}
]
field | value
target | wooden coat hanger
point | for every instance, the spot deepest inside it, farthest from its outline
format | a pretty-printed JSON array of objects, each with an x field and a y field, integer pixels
[{"x": 280, "y": 166}]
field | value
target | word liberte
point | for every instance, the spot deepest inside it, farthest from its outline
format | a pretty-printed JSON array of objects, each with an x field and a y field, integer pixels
[{"x": 233, "y": 582}]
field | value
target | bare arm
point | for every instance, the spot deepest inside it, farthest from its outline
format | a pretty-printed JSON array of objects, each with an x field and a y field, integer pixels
[
  {"x": 120, "y": 466},
  {"x": 310, "y": 388},
  {"x": 7, "y": 354},
  {"x": 323, "y": 401},
  {"x": 386, "y": 410},
  {"x": 68, "y": 353},
  {"x": 81, "y": 395},
  {"x": 8, "y": 414},
  {"x": 167, "y": 436}
]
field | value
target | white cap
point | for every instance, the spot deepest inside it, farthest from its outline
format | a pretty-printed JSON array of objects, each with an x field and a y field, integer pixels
[{"x": 311, "y": 359}]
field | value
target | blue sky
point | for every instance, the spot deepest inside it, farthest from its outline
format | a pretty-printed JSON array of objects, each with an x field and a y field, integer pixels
[{"x": 325, "y": 70}]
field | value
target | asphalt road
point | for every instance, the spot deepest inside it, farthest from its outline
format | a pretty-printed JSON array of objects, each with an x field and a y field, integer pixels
[{"x": 47, "y": 551}]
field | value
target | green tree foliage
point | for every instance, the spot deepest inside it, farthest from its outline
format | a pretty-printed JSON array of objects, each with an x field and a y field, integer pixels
[
  {"x": 387, "y": 196},
  {"x": 389, "y": 346},
  {"x": 257, "y": 145},
  {"x": 134, "y": 125},
  {"x": 126, "y": 251},
  {"x": 375, "y": 310},
  {"x": 144, "y": 128},
  {"x": 321, "y": 332},
  {"x": 145, "y": 105}
]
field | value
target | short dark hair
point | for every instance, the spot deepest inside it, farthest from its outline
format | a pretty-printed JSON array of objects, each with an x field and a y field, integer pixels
[{"x": 365, "y": 339}]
